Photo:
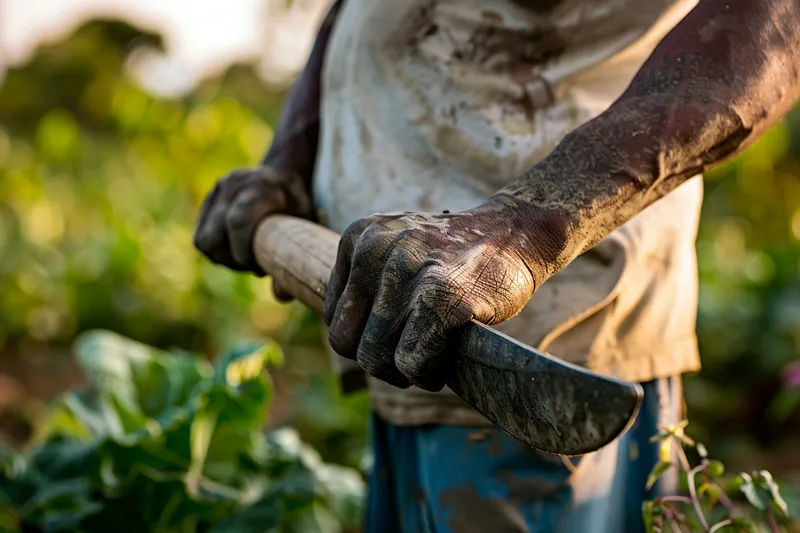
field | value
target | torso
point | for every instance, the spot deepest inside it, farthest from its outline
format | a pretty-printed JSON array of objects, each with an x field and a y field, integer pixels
[
  {"x": 431, "y": 105},
  {"x": 437, "y": 104}
]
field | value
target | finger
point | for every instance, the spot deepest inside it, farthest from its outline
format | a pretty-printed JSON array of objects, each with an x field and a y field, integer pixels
[
  {"x": 352, "y": 311},
  {"x": 376, "y": 350},
  {"x": 341, "y": 269},
  {"x": 281, "y": 293},
  {"x": 203, "y": 238},
  {"x": 245, "y": 212},
  {"x": 421, "y": 354},
  {"x": 368, "y": 270},
  {"x": 215, "y": 202},
  {"x": 378, "y": 343}
]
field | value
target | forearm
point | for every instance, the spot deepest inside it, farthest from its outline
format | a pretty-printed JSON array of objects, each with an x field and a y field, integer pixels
[
  {"x": 294, "y": 146},
  {"x": 717, "y": 81}
]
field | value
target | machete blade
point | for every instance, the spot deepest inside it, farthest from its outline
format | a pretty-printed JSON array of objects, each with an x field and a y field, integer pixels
[{"x": 549, "y": 404}]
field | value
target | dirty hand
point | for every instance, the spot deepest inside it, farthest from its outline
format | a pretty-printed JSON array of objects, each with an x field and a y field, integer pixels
[
  {"x": 402, "y": 281},
  {"x": 233, "y": 209}
]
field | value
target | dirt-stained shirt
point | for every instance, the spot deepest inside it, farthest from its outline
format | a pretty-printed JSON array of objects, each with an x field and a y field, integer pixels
[{"x": 437, "y": 104}]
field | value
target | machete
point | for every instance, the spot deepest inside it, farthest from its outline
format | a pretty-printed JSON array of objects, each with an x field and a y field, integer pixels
[{"x": 546, "y": 403}]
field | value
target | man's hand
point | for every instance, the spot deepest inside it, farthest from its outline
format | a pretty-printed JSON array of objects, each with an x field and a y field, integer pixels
[
  {"x": 235, "y": 206},
  {"x": 402, "y": 281}
]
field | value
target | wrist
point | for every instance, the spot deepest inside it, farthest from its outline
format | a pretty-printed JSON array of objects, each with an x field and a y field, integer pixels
[
  {"x": 296, "y": 198},
  {"x": 539, "y": 235}
]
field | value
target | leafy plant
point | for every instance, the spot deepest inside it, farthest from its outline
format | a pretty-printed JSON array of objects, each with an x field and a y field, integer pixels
[
  {"x": 758, "y": 503},
  {"x": 169, "y": 442}
]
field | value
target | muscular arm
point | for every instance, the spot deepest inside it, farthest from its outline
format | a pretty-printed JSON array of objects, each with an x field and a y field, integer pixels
[
  {"x": 239, "y": 201},
  {"x": 717, "y": 81},
  {"x": 294, "y": 147},
  {"x": 401, "y": 282}
]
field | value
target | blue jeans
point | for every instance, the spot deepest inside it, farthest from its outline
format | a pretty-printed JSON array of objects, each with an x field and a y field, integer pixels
[{"x": 446, "y": 479}]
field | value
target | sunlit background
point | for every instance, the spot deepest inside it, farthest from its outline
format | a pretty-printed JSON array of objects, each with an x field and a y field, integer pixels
[{"x": 117, "y": 116}]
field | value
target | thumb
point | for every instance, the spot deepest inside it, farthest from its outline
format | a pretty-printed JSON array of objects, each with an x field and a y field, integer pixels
[{"x": 281, "y": 293}]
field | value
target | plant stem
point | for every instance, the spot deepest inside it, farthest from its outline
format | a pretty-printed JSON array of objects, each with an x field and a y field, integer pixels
[
  {"x": 720, "y": 525},
  {"x": 678, "y": 499},
  {"x": 690, "y": 473},
  {"x": 682, "y": 456},
  {"x": 724, "y": 499},
  {"x": 675, "y": 527},
  {"x": 773, "y": 526}
]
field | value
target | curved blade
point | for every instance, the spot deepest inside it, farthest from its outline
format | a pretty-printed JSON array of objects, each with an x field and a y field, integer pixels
[{"x": 551, "y": 405}]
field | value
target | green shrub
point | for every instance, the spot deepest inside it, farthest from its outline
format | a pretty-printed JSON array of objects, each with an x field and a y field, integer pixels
[
  {"x": 745, "y": 503},
  {"x": 168, "y": 442}
]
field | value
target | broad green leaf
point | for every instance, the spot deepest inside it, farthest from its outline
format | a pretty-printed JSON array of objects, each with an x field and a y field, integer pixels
[
  {"x": 245, "y": 361},
  {"x": 67, "y": 502},
  {"x": 313, "y": 519},
  {"x": 345, "y": 492},
  {"x": 65, "y": 460},
  {"x": 9, "y": 519},
  {"x": 750, "y": 491},
  {"x": 765, "y": 481},
  {"x": 263, "y": 516},
  {"x": 745, "y": 525},
  {"x": 144, "y": 380},
  {"x": 656, "y": 472},
  {"x": 201, "y": 433}
]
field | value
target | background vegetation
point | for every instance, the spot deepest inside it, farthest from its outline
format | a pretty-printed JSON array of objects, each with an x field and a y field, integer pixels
[{"x": 99, "y": 185}]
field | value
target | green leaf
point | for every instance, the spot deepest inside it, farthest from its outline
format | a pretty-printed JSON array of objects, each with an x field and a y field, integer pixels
[
  {"x": 651, "y": 514},
  {"x": 656, "y": 472},
  {"x": 64, "y": 460},
  {"x": 745, "y": 483},
  {"x": 345, "y": 492},
  {"x": 143, "y": 380},
  {"x": 9, "y": 519},
  {"x": 765, "y": 481},
  {"x": 711, "y": 494},
  {"x": 264, "y": 516},
  {"x": 744, "y": 525},
  {"x": 314, "y": 519},
  {"x": 647, "y": 516},
  {"x": 246, "y": 361},
  {"x": 61, "y": 505}
]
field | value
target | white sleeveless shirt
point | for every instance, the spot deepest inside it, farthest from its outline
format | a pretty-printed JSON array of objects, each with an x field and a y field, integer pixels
[{"x": 437, "y": 104}]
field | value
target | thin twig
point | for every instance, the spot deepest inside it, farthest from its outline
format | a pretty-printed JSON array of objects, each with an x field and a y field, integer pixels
[
  {"x": 724, "y": 499},
  {"x": 773, "y": 525},
  {"x": 678, "y": 499},
  {"x": 720, "y": 525},
  {"x": 690, "y": 473},
  {"x": 675, "y": 527},
  {"x": 682, "y": 456}
]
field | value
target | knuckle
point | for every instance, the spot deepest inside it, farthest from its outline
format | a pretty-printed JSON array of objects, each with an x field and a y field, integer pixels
[
  {"x": 409, "y": 364},
  {"x": 337, "y": 341},
  {"x": 206, "y": 238}
]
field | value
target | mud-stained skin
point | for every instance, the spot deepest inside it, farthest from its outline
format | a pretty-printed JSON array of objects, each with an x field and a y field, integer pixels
[
  {"x": 402, "y": 281},
  {"x": 234, "y": 207},
  {"x": 716, "y": 82},
  {"x": 232, "y": 210}
]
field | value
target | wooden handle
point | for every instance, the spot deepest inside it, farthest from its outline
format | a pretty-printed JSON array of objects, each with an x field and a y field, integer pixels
[
  {"x": 548, "y": 404},
  {"x": 298, "y": 254}
]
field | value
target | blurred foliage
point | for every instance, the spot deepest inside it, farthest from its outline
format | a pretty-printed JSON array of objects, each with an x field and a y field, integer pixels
[
  {"x": 749, "y": 314},
  {"x": 100, "y": 183},
  {"x": 99, "y": 186},
  {"x": 166, "y": 442}
]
